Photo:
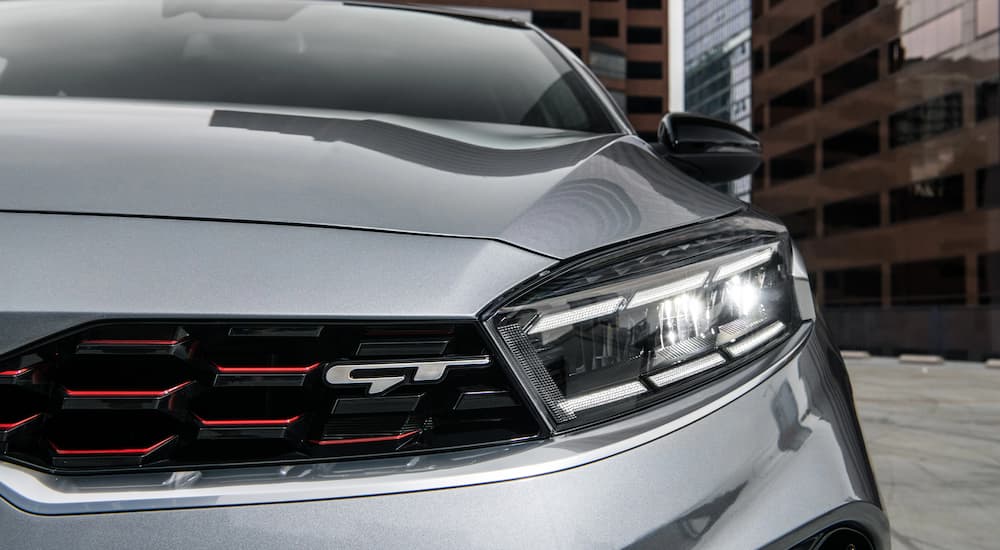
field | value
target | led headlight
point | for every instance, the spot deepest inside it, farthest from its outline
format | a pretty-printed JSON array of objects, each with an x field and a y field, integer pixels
[{"x": 620, "y": 332}]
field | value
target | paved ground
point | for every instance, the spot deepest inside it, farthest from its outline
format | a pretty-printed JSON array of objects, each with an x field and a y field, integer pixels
[{"x": 933, "y": 434}]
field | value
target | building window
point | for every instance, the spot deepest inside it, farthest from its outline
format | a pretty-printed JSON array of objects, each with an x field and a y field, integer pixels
[
  {"x": 987, "y": 16},
  {"x": 850, "y": 76},
  {"x": 758, "y": 60},
  {"x": 645, "y": 69},
  {"x": 858, "y": 286},
  {"x": 793, "y": 103},
  {"x": 851, "y": 215},
  {"x": 988, "y": 187},
  {"x": 792, "y": 41},
  {"x": 604, "y": 27},
  {"x": 758, "y": 118},
  {"x": 645, "y": 35},
  {"x": 842, "y": 12},
  {"x": 758, "y": 8},
  {"x": 644, "y": 104},
  {"x": 935, "y": 37},
  {"x": 929, "y": 282},
  {"x": 925, "y": 120},
  {"x": 851, "y": 145},
  {"x": 644, "y": 4},
  {"x": 757, "y": 183},
  {"x": 926, "y": 198},
  {"x": 556, "y": 19},
  {"x": 802, "y": 224},
  {"x": 987, "y": 99},
  {"x": 794, "y": 164},
  {"x": 606, "y": 61},
  {"x": 988, "y": 274}
]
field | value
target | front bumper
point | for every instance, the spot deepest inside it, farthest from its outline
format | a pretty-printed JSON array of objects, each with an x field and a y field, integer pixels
[{"x": 775, "y": 465}]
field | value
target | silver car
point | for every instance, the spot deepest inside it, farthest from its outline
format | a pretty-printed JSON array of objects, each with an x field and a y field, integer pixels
[{"x": 336, "y": 275}]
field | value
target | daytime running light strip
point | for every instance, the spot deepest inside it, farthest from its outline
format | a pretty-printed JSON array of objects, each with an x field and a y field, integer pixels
[
  {"x": 659, "y": 293},
  {"x": 602, "y": 397},
  {"x": 686, "y": 370},
  {"x": 576, "y": 315},
  {"x": 743, "y": 264},
  {"x": 755, "y": 340}
]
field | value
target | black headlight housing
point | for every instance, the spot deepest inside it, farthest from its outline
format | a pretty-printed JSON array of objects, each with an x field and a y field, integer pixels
[{"x": 621, "y": 330}]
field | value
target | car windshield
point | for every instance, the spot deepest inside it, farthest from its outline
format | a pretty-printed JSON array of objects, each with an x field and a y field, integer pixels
[{"x": 295, "y": 54}]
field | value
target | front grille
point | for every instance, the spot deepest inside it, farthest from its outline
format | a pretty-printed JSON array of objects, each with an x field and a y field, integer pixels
[{"x": 120, "y": 397}]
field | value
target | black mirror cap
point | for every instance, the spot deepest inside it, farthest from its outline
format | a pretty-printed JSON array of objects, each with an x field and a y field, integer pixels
[{"x": 709, "y": 149}]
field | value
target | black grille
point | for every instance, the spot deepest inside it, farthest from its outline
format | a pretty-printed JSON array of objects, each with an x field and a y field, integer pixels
[{"x": 205, "y": 394}]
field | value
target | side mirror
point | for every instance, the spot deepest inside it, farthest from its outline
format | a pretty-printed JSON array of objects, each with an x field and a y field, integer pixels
[{"x": 709, "y": 149}]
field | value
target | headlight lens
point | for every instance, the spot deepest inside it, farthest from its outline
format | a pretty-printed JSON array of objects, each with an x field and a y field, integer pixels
[{"x": 621, "y": 333}]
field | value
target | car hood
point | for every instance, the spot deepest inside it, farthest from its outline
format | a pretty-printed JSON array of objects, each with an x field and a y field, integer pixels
[{"x": 553, "y": 192}]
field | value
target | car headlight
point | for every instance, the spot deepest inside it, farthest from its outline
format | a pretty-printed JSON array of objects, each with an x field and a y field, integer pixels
[{"x": 616, "y": 333}]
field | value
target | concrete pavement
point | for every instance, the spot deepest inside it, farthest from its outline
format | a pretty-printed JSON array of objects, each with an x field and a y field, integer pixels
[{"x": 933, "y": 433}]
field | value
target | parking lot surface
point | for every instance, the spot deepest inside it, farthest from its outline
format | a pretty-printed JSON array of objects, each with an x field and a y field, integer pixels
[{"x": 933, "y": 433}]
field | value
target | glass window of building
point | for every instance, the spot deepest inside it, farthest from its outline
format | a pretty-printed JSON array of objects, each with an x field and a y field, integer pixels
[
  {"x": 987, "y": 18},
  {"x": 801, "y": 224},
  {"x": 928, "y": 40},
  {"x": 851, "y": 215},
  {"x": 851, "y": 145},
  {"x": 792, "y": 41},
  {"x": 842, "y": 12},
  {"x": 644, "y": 4},
  {"x": 925, "y": 120},
  {"x": 645, "y": 35},
  {"x": 988, "y": 278},
  {"x": 857, "y": 286},
  {"x": 987, "y": 99},
  {"x": 603, "y": 27},
  {"x": 850, "y": 76},
  {"x": 938, "y": 281},
  {"x": 988, "y": 187},
  {"x": 645, "y": 69},
  {"x": 793, "y": 164},
  {"x": 644, "y": 104},
  {"x": 927, "y": 198},
  {"x": 797, "y": 101},
  {"x": 556, "y": 19}
]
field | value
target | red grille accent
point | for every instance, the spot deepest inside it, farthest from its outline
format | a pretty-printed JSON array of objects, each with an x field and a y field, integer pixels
[
  {"x": 180, "y": 396},
  {"x": 249, "y": 422},
  {"x": 127, "y": 393},
  {"x": 357, "y": 440},
  {"x": 260, "y": 369},
  {"x": 11, "y": 425},
  {"x": 102, "y": 452}
]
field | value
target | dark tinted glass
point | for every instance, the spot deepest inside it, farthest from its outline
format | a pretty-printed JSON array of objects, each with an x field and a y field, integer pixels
[
  {"x": 556, "y": 19},
  {"x": 645, "y": 35},
  {"x": 792, "y": 41},
  {"x": 988, "y": 187},
  {"x": 644, "y": 4},
  {"x": 603, "y": 27},
  {"x": 859, "y": 286},
  {"x": 322, "y": 55},
  {"x": 932, "y": 281},
  {"x": 802, "y": 224},
  {"x": 987, "y": 99},
  {"x": 793, "y": 164},
  {"x": 793, "y": 103},
  {"x": 988, "y": 275},
  {"x": 758, "y": 118},
  {"x": 644, "y": 104},
  {"x": 850, "y": 76},
  {"x": 925, "y": 120},
  {"x": 852, "y": 214},
  {"x": 758, "y": 60},
  {"x": 851, "y": 145},
  {"x": 645, "y": 69},
  {"x": 926, "y": 198},
  {"x": 842, "y": 12}
]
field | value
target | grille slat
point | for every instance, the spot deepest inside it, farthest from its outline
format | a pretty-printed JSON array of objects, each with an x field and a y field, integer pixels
[{"x": 149, "y": 395}]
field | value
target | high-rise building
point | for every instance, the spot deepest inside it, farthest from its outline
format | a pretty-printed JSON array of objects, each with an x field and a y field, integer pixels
[
  {"x": 717, "y": 65},
  {"x": 623, "y": 41},
  {"x": 880, "y": 131}
]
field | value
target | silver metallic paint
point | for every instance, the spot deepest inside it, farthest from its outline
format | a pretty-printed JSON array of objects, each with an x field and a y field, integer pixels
[
  {"x": 556, "y": 192},
  {"x": 785, "y": 453}
]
